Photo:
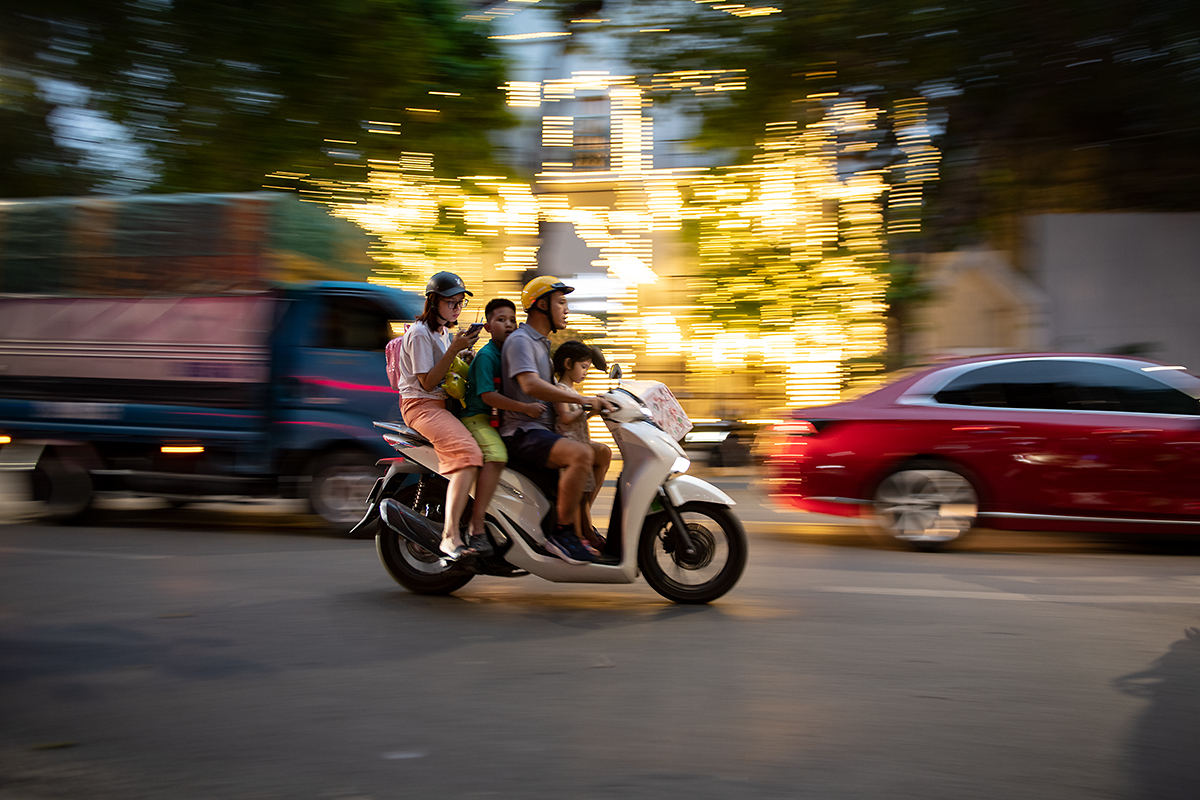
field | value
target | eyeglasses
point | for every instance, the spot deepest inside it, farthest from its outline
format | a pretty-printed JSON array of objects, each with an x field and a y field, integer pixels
[{"x": 455, "y": 304}]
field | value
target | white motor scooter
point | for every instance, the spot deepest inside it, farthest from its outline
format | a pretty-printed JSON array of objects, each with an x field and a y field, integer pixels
[{"x": 679, "y": 530}]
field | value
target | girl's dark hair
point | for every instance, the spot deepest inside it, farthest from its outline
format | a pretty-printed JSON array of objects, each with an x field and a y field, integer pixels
[
  {"x": 430, "y": 315},
  {"x": 572, "y": 349}
]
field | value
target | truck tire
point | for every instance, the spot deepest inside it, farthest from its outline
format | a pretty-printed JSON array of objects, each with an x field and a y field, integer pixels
[
  {"x": 64, "y": 486},
  {"x": 340, "y": 484}
]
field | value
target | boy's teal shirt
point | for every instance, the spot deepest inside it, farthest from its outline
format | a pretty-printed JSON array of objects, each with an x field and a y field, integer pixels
[{"x": 481, "y": 377}]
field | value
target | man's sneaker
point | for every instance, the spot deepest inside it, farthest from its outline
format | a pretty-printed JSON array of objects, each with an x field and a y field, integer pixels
[{"x": 566, "y": 545}]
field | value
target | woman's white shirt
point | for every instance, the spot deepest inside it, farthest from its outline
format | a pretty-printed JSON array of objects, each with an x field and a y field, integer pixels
[{"x": 419, "y": 351}]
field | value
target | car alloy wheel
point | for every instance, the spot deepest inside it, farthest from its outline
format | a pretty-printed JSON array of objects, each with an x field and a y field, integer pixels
[{"x": 926, "y": 505}]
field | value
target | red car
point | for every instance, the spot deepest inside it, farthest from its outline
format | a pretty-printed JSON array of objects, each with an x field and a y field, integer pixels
[{"x": 1017, "y": 442}]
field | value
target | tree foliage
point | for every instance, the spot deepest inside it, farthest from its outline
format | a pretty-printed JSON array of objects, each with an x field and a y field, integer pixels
[
  {"x": 1038, "y": 106},
  {"x": 220, "y": 93}
]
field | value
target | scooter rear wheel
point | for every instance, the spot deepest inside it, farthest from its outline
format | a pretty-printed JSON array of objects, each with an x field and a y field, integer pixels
[
  {"x": 409, "y": 564},
  {"x": 712, "y": 570}
]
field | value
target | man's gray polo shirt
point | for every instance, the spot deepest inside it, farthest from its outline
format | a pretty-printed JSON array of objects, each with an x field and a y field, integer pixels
[{"x": 525, "y": 350}]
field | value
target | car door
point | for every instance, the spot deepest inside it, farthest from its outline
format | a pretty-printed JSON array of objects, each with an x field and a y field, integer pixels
[
  {"x": 1001, "y": 429},
  {"x": 1129, "y": 445}
]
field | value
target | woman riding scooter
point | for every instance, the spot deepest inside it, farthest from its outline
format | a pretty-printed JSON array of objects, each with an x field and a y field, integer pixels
[{"x": 417, "y": 365}]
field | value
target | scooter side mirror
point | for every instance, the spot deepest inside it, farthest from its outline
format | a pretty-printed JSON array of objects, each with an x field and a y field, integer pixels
[
  {"x": 598, "y": 359},
  {"x": 615, "y": 373}
]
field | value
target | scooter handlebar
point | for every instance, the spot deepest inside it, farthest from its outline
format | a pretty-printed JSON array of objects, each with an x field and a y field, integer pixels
[{"x": 588, "y": 407}]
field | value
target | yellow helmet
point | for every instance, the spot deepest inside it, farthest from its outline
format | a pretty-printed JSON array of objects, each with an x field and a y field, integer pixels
[{"x": 541, "y": 286}]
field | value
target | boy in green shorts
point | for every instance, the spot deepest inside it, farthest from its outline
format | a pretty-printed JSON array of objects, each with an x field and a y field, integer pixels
[{"x": 482, "y": 395}]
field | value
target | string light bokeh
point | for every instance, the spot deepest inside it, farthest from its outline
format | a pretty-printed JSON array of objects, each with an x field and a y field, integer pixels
[{"x": 778, "y": 297}]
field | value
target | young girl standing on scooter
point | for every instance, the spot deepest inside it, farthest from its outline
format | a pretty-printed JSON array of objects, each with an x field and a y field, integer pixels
[{"x": 417, "y": 365}]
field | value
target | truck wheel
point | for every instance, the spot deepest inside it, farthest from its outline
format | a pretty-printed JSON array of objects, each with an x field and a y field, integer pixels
[
  {"x": 64, "y": 486},
  {"x": 341, "y": 482}
]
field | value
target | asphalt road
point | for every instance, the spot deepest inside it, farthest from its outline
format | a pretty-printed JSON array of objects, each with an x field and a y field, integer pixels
[{"x": 210, "y": 652}]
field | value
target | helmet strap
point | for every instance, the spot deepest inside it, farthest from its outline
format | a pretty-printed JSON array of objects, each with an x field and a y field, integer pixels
[
  {"x": 546, "y": 310},
  {"x": 437, "y": 311}
]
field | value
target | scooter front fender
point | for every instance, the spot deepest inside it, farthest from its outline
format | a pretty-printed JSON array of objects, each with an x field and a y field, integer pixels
[{"x": 686, "y": 489}]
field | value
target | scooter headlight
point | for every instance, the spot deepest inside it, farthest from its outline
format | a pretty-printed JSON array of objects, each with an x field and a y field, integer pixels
[{"x": 680, "y": 466}]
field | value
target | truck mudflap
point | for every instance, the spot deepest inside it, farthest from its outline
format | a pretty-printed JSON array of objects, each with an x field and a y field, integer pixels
[{"x": 56, "y": 478}]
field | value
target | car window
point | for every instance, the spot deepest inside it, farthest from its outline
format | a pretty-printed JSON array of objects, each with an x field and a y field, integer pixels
[
  {"x": 353, "y": 323},
  {"x": 1067, "y": 386}
]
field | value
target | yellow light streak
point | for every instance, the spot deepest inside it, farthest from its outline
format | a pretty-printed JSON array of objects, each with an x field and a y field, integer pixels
[
  {"x": 523, "y": 94},
  {"x": 178, "y": 449},
  {"x": 527, "y": 36},
  {"x": 785, "y": 298}
]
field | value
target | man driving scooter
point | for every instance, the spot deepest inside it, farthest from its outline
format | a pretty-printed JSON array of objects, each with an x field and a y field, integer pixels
[{"x": 526, "y": 374}]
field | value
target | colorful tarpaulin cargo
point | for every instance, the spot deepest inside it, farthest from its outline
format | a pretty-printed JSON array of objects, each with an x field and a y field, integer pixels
[{"x": 173, "y": 244}]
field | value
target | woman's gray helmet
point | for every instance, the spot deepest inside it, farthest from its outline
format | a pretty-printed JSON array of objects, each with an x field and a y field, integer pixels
[{"x": 446, "y": 284}]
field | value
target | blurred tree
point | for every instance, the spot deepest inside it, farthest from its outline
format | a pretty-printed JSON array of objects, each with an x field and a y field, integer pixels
[
  {"x": 1037, "y": 106},
  {"x": 32, "y": 163},
  {"x": 220, "y": 93}
]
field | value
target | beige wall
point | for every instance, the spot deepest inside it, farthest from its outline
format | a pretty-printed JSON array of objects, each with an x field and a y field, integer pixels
[
  {"x": 979, "y": 305},
  {"x": 1091, "y": 283}
]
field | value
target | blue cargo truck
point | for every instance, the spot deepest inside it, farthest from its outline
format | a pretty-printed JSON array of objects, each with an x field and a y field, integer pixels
[{"x": 182, "y": 385}]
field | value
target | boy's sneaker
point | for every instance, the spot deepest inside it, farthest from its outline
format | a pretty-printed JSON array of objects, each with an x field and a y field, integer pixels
[{"x": 566, "y": 545}]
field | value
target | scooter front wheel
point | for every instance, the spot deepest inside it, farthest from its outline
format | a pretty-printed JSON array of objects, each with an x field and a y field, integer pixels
[
  {"x": 714, "y": 566},
  {"x": 409, "y": 564}
]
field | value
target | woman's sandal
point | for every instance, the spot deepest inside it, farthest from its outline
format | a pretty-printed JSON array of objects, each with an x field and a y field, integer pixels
[{"x": 455, "y": 552}]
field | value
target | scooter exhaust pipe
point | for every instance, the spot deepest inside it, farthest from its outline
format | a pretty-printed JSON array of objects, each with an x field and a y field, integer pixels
[{"x": 411, "y": 525}]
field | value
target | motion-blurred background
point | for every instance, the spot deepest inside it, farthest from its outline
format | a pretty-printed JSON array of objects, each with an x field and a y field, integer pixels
[{"x": 759, "y": 204}]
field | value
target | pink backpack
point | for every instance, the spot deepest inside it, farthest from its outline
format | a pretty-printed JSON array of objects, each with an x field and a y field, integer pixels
[{"x": 392, "y": 352}]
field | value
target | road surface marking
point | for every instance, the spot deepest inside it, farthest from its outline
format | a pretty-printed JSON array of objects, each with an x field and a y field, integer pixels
[
  {"x": 86, "y": 553},
  {"x": 1013, "y": 596}
]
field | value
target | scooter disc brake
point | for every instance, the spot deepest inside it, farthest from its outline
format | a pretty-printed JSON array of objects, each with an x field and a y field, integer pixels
[{"x": 703, "y": 547}]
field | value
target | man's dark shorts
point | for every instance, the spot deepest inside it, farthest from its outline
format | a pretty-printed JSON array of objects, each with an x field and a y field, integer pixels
[{"x": 531, "y": 446}]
